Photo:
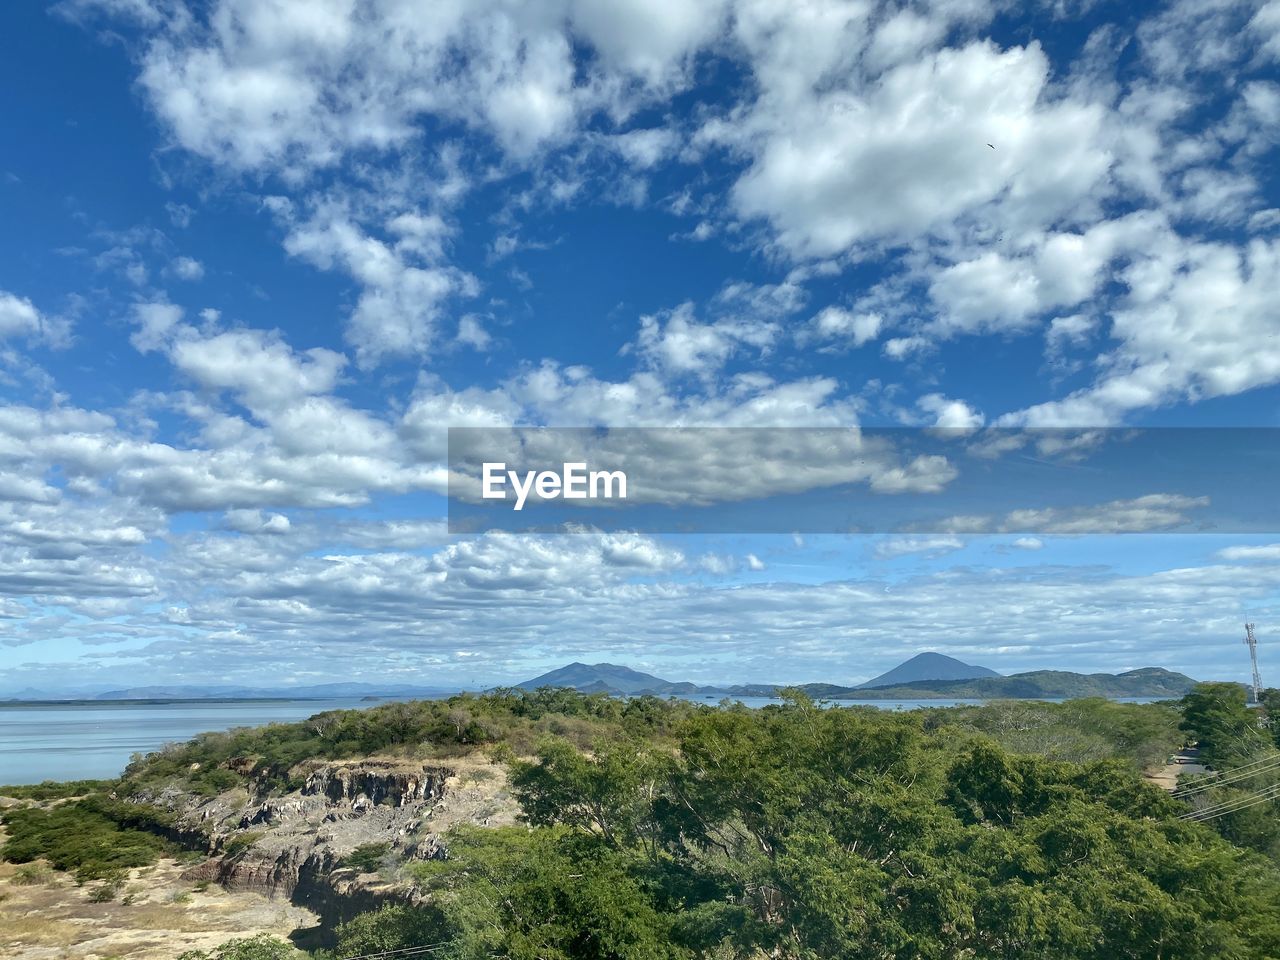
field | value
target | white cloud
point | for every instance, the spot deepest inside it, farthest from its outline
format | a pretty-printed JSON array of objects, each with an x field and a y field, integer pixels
[
  {"x": 1266, "y": 24},
  {"x": 674, "y": 341},
  {"x": 1269, "y": 551},
  {"x": 1198, "y": 321},
  {"x": 899, "y": 348},
  {"x": 187, "y": 268},
  {"x": 837, "y": 323},
  {"x": 908, "y": 154},
  {"x": 1069, "y": 331},
  {"x": 20, "y": 318},
  {"x": 472, "y": 333},
  {"x": 950, "y": 414},
  {"x": 403, "y": 286},
  {"x": 645, "y": 148},
  {"x": 300, "y": 84},
  {"x": 255, "y": 521},
  {"x": 156, "y": 320},
  {"x": 927, "y": 546},
  {"x": 1146, "y": 514},
  {"x": 1028, "y": 543},
  {"x": 258, "y": 367}
]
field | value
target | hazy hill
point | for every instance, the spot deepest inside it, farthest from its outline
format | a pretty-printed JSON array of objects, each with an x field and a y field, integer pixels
[
  {"x": 981, "y": 683},
  {"x": 607, "y": 678},
  {"x": 928, "y": 667},
  {"x": 1145, "y": 682}
]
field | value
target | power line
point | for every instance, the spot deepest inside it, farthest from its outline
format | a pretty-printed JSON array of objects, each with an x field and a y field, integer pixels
[
  {"x": 1243, "y": 806},
  {"x": 1211, "y": 813},
  {"x": 1253, "y": 769},
  {"x": 1226, "y": 805},
  {"x": 402, "y": 952},
  {"x": 1236, "y": 803},
  {"x": 1224, "y": 782}
]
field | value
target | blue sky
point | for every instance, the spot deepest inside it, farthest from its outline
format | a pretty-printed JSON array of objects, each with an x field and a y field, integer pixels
[{"x": 257, "y": 255}]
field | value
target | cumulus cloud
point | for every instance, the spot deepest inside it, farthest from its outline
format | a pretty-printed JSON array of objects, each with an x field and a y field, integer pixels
[
  {"x": 255, "y": 521},
  {"x": 404, "y": 283},
  {"x": 908, "y": 153},
  {"x": 1197, "y": 322},
  {"x": 187, "y": 268},
  {"x": 845, "y": 326},
  {"x": 299, "y": 85},
  {"x": 950, "y": 414},
  {"x": 19, "y": 318},
  {"x": 676, "y": 342}
]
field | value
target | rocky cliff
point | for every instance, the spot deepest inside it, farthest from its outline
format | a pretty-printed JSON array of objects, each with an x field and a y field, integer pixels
[{"x": 293, "y": 845}]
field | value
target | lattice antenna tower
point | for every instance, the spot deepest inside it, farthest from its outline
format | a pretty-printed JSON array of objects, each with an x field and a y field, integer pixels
[{"x": 1251, "y": 641}]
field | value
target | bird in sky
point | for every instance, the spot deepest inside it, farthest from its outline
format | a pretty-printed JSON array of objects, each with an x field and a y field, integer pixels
[{"x": 991, "y": 145}]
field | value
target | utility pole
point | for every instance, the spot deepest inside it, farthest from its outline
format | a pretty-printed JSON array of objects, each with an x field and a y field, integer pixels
[{"x": 1252, "y": 642}]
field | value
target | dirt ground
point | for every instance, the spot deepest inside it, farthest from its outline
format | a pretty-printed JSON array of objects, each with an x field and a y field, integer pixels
[
  {"x": 1166, "y": 777},
  {"x": 53, "y": 919}
]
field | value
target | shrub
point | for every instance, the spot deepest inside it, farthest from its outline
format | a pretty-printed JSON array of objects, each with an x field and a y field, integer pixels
[
  {"x": 389, "y": 928},
  {"x": 261, "y": 947},
  {"x": 56, "y": 790},
  {"x": 32, "y": 873},
  {"x": 241, "y": 842},
  {"x": 92, "y": 837},
  {"x": 368, "y": 857}
]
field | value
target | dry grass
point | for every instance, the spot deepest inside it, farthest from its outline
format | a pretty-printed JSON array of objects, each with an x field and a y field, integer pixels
[{"x": 55, "y": 920}]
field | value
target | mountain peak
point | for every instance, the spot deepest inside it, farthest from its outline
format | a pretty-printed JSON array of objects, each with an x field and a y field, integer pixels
[
  {"x": 600, "y": 677},
  {"x": 929, "y": 666}
]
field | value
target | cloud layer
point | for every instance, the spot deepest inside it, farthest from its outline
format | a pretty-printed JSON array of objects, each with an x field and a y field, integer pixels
[{"x": 830, "y": 214}]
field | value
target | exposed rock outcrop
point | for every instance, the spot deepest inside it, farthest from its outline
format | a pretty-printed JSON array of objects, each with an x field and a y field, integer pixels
[
  {"x": 293, "y": 845},
  {"x": 350, "y": 783}
]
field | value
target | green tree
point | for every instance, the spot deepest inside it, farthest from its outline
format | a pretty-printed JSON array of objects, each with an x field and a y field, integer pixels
[
  {"x": 1217, "y": 714},
  {"x": 392, "y": 927},
  {"x": 548, "y": 895},
  {"x": 261, "y": 947}
]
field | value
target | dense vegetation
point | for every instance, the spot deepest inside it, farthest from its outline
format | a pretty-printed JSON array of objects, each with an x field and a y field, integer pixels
[
  {"x": 801, "y": 832},
  {"x": 94, "y": 837},
  {"x": 56, "y": 789},
  {"x": 661, "y": 829},
  {"x": 1245, "y": 762},
  {"x": 214, "y": 762},
  {"x": 1079, "y": 730}
]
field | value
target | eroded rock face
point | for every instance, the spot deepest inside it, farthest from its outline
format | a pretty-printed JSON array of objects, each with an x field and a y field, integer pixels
[
  {"x": 350, "y": 783},
  {"x": 293, "y": 845}
]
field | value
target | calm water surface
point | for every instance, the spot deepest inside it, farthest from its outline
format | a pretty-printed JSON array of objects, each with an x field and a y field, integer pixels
[
  {"x": 80, "y": 741},
  {"x": 95, "y": 740}
]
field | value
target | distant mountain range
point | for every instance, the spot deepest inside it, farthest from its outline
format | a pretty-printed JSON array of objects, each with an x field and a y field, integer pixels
[
  {"x": 320, "y": 691},
  {"x": 924, "y": 676},
  {"x": 1053, "y": 684}
]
